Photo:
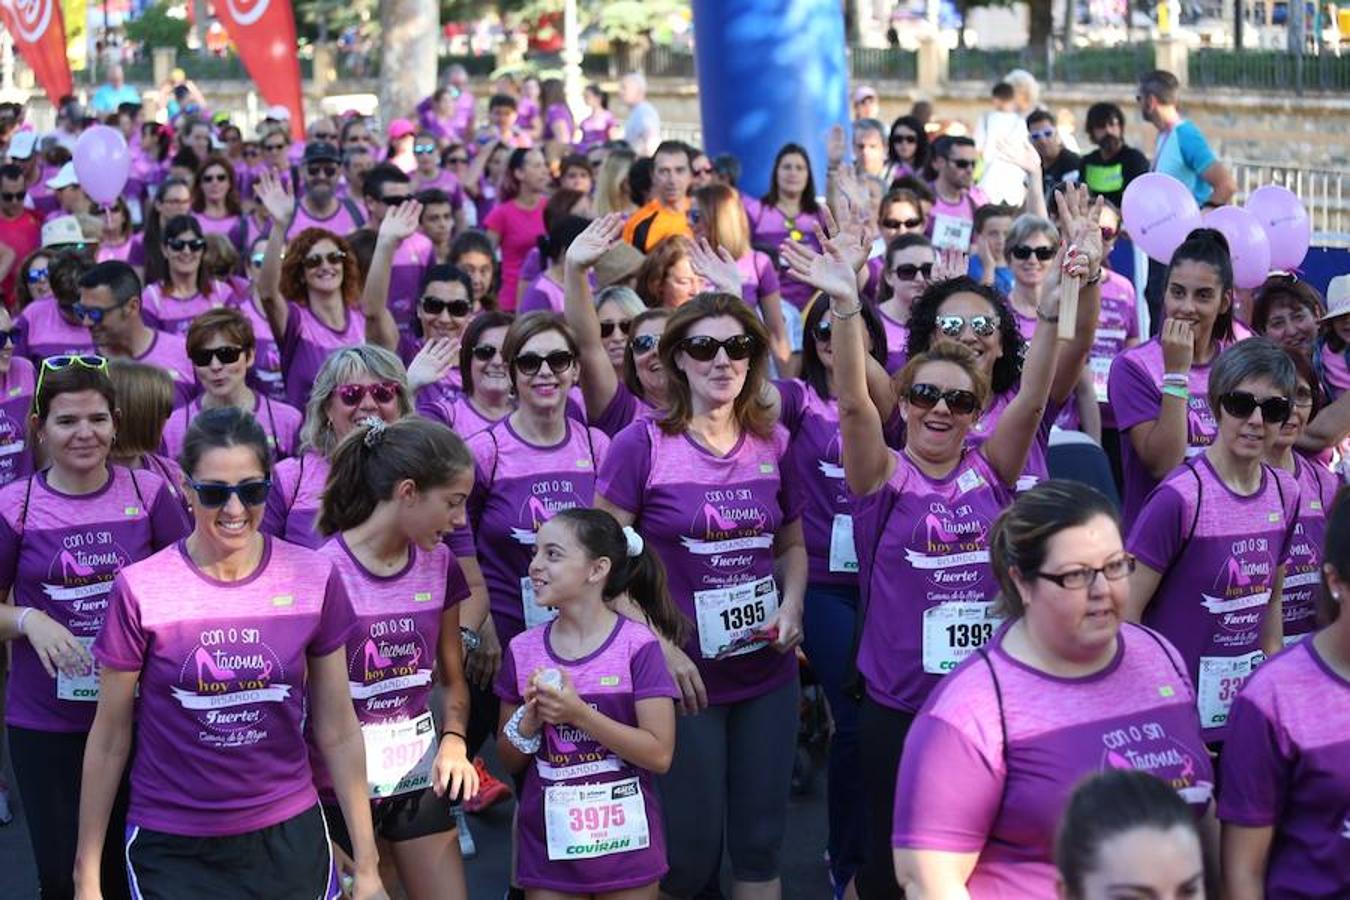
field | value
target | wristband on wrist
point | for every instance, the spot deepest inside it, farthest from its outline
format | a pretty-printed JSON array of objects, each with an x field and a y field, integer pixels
[
  {"x": 839, "y": 317},
  {"x": 458, "y": 734},
  {"x": 23, "y": 616},
  {"x": 1176, "y": 378},
  {"x": 1173, "y": 390},
  {"x": 1045, "y": 317},
  {"x": 526, "y": 745},
  {"x": 1096, "y": 277}
]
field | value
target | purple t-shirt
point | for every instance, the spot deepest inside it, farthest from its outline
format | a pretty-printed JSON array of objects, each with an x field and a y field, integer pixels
[
  {"x": 769, "y": 228},
  {"x": 279, "y": 420},
  {"x": 342, "y": 221},
  {"x": 169, "y": 352},
  {"x": 544, "y": 294},
  {"x": 16, "y": 402},
  {"x": 307, "y": 343},
  {"x": 1135, "y": 387},
  {"x": 175, "y": 314},
  {"x": 624, "y": 408},
  {"x": 712, "y": 520},
  {"x": 1118, "y": 323},
  {"x": 293, "y": 503},
  {"x": 1037, "y": 468},
  {"x": 558, "y": 113},
  {"x": 897, "y": 338},
  {"x": 1317, "y": 488},
  {"x": 44, "y": 332},
  {"x": 1286, "y": 766},
  {"x": 233, "y": 227},
  {"x": 457, "y": 414},
  {"x": 442, "y": 181},
  {"x": 60, "y": 553},
  {"x": 266, "y": 375},
  {"x": 517, "y": 487},
  {"x": 595, "y": 129},
  {"x": 573, "y": 773},
  {"x": 817, "y": 483},
  {"x": 1218, "y": 554},
  {"x": 758, "y": 278},
  {"x": 411, "y": 260},
  {"x": 923, "y": 559},
  {"x": 392, "y": 648},
  {"x": 1003, "y": 798},
  {"x": 220, "y": 749},
  {"x": 517, "y": 231}
]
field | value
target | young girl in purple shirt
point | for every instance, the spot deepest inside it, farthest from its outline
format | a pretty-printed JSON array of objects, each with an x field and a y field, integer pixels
[{"x": 588, "y": 713}]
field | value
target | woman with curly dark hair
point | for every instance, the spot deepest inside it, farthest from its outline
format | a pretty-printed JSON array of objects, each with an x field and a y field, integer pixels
[{"x": 311, "y": 299}]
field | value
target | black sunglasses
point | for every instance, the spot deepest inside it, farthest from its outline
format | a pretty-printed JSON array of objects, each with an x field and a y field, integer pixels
[
  {"x": 12, "y": 197},
  {"x": 196, "y": 245},
  {"x": 703, "y": 348},
  {"x": 214, "y": 179},
  {"x": 1022, "y": 251},
  {"x": 951, "y": 326},
  {"x": 227, "y": 355},
  {"x": 9, "y": 337},
  {"x": 909, "y": 271},
  {"x": 456, "y": 160},
  {"x": 273, "y": 148},
  {"x": 457, "y": 308},
  {"x": 962, "y": 163},
  {"x": 212, "y": 495},
  {"x": 328, "y": 170},
  {"x": 926, "y": 396},
  {"x": 897, "y": 223},
  {"x": 1274, "y": 410},
  {"x": 904, "y": 139},
  {"x": 485, "y": 352},
  {"x": 334, "y": 258},
  {"x": 824, "y": 328},
  {"x": 644, "y": 344},
  {"x": 607, "y": 328},
  {"x": 396, "y": 201},
  {"x": 95, "y": 314},
  {"x": 559, "y": 361}
]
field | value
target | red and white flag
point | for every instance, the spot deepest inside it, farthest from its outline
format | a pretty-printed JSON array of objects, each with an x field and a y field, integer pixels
[
  {"x": 39, "y": 35},
  {"x": 264, "y": 33}
]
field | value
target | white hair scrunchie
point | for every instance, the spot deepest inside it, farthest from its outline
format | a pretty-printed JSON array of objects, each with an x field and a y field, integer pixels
[
  {"x": 635, "y": 542},
  {"x": 375, "y": 432}
]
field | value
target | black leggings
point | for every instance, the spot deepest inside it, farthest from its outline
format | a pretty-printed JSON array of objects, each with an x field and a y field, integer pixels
[
  {"x": 882, "y": 731},
  {"x": 48, "y": 766}
]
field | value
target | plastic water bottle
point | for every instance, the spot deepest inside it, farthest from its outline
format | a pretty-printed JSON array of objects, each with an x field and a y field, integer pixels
[{"x": 551, "y": 678}]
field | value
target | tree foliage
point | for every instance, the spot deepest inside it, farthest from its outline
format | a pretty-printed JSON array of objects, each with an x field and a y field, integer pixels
[{"x": 155, "y": 27}]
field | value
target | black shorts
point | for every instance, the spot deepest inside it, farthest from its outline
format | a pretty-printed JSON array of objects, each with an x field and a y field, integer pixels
[
  {"x": 291, "y": 860},
  {"x": 405, "y": 817}
]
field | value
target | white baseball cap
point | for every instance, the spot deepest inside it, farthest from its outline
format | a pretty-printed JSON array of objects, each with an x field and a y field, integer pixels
[
  {"x": 63, "y": 230},
  {"x": 278, "y": 113},
  {"x": 22, "y": 145},
  {"x": 1338, "y": 297},
  {"x": 65, "y": 178}
]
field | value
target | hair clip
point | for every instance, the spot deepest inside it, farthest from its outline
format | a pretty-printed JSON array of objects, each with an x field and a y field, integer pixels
[{"x": 375, "y": 429}]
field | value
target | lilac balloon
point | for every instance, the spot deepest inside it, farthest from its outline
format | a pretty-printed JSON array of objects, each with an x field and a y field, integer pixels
[
  {"x": 1286, "y": 222},
  {"x": 1159, "y": 212},
  {"x": 1247, "y": 244},
  {"x": 102, "y": 163}
]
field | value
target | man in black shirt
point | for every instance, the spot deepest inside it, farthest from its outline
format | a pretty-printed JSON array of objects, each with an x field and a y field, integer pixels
[
  {"x": 1058, "y": 164},
  {"x": 1110, "y": 168}
]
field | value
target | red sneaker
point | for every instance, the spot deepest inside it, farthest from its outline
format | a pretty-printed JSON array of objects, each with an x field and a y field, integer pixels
[{"x": 491, "y": 791}]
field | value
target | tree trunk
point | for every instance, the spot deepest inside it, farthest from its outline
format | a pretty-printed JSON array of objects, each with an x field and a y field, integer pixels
[
  {"x": 1040, "y": 25},
  {"x": 409, "y": 32}
]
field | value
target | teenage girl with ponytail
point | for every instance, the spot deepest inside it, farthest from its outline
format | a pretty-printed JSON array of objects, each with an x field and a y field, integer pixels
[
  {"x": 393, "y": 491},
  {"x": 588, "y": 712}
]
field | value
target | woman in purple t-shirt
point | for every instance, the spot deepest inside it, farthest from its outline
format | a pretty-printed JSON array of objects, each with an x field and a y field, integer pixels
[
  {"x": 788, "y": 212},
  {"x": 587, "y": 714},
  {"x": 215, "y": 201},
  {"x": 705, "y": 485},
  {"x": 1214, "y": 538},
  {"x": 601, "y": 125},
  {"x": 925, "y": 514},
  {"x": 355, "y": 384},
  {"x": 311, "y": 299},
  {"x": 909, "y": 261},
  {"x": 187, "y": 290},
  {"x": 65, "y": 531},
  {"x": 1158, "y": 388},
  {"x": 393, "y": 492},
  {"x": 1062, "y": 690},
  {"x": 233, "y": 642},
  {"x": 17, "y": 379},
  {"x": 1285, "y": 798}
]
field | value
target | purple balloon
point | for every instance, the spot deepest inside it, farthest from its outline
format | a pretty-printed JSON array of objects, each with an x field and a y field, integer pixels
[
  {"x": 1247, "y": 244},
  {"x": 102, "y": 163},
  {"x": 1159, "y": 212},
  {"x": 1286, "y": 222}
]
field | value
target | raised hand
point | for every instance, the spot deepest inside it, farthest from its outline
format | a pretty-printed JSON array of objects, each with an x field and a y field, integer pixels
[
  {"x": 276, "y": 196},
  {"x": 718, "y": 267},
  {"x": 851, "y": 237},
  {"x": 828, "y": 271},
  {"x": 836, "y": 145},
  {"x": 951, "y": 263},
  {"x": 433, "y": 362},
  {"x": 592, "y": 243},
  {"x": 401, "y": 221},
  {"x": 1018, "y": 151},
  {"x": 1080, "y": 225}
]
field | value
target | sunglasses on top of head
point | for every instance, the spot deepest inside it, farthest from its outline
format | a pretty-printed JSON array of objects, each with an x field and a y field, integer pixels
[
  {"x": 383, "y": 393},
  {"x": 1241, "y": 404},
  {"x": 559, "y": 361},
  {"x": 703, "y": 348},
  {"x": 456, "y": 308},
  {"x": 926, "y": 396},
  {"x": 193, "y": 245},
  {"x": 226, "y": 354},
  {"x": 212, "y": 495},
  {"x": 1023, "y": 252}
]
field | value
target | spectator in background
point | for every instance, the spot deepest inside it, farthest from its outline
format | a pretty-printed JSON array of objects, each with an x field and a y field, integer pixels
[
  {"x": 458, "y": 79},
  {"x": 987, "y": 260},
  {"x": 114, "y": 93},
  {"x": 869, "y": 147},
  {"x": 726, "y": 169},
  {"x": 1181, "y": 150},
  {"x": 866, "y": 104},
  {"x": 20, "y": 228},
  {"x": 666, "y": 213},
  {"x": 1002, "y": 180},
  {"x": 1059, "y": 165},
  {"x": 642, "y": 128},
  {"x": 1109, "y": 169},
  {"x": 952, "y": 219},
  {"x": 502, "y": 127},
  {"x": 701, "y": 168},
  {"x": 1026, "y": 90}
]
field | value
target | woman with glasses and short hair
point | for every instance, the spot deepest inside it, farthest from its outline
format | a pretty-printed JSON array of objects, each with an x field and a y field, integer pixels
[
  {"x": 1222, "y": 525},
  {"x": 1065, "y": 688},
  {"x": 65, "y": 531},
  {"x": 187, "y": 289},
  {"x": 354, "y": 384},
  {"x": 235, "y": 642},
  {"x": 223, "y": 351}
]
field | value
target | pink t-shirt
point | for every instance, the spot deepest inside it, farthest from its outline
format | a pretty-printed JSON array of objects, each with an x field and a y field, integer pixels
[
  {"x": 345, "y": 219},
  {"x": 626, "y": 668},
  {"x": 60, "y": 553},
  {"x": 44, "y": 332},
  {"x": 16, "y": 401},
  {"x": 458, "y": 413},
  {"x": 279, "y": 420},
  {"x": 995, "y": 753},
  {"x": 308, "y": 342},
  {"x": 223, "y": 686},
  {"x": 175, "y": 314},
  {"x": 517, "y": 487},
  {"x": 1286, "y": 766},
  {"x": 293, "y": 503},
  {"x": 518, "y": 230},
  {"x": 233, "y": 227},
  {"x": 1218, "y": 553},
  {"x": 266, "y": 375}
]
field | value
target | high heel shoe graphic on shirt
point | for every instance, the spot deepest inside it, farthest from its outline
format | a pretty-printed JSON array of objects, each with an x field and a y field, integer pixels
[
  {"x": 207, "y": 666},
  {"x": 934, "y": 526},
  {"x": 70, "y": 564},
  {"x": 373, "y": 655},
  {"x": 713, "y": 521},
  {"x": 539, "y": 514},
  {"x": 1236, "y": 577}
]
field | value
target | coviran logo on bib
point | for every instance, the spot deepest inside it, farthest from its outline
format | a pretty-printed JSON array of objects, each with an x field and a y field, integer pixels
[
  {"x": 246, "y": 12},
  {"x": 31, "y": 17}
]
